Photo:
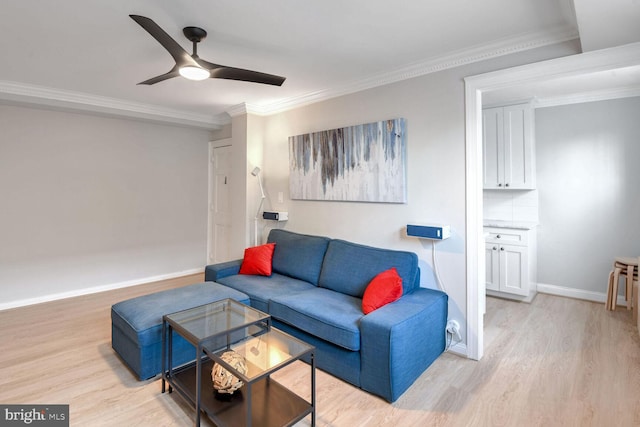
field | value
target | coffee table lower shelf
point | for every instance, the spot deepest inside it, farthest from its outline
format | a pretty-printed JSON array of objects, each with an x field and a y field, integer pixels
[{"x": 272, "y": 404}]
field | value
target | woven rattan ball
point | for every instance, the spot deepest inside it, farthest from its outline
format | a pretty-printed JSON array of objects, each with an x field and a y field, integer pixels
[{"x": 223, "y": 381}]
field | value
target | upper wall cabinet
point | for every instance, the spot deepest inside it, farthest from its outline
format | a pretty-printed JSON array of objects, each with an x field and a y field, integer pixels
[{"x": 508, "y": 148}]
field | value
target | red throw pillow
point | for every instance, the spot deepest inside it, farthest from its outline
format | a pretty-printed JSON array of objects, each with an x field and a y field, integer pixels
[
  {"x": 257, "y": 260},
  {"x": 386, "y": 287}
]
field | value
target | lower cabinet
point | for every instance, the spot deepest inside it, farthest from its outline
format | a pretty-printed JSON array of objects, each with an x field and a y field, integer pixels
[{"x": 510, "y": 262}]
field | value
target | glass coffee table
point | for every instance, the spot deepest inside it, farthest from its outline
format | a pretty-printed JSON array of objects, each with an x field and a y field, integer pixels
[{"x": 228, "y": 325}]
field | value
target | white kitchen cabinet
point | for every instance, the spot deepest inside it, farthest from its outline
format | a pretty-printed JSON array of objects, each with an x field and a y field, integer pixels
[
  {"x": 508, "y": 148},
  {"x": 510, "y": 256}
]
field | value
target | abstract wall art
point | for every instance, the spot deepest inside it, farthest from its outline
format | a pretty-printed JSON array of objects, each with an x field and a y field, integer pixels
[{"x": 363, "y": 163}]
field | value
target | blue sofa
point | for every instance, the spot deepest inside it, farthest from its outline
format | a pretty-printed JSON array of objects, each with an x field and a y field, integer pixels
[{"x": 315, "y": 293}]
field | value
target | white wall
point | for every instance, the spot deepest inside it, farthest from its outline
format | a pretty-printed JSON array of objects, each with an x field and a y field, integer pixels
[
  {"x": 434, "y": 108},
  {"x": 89, "y": 202},
  {"x": 588, "y": 161}
]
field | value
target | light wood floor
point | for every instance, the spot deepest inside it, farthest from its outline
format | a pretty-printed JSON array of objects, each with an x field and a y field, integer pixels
[{"x": 555, "y": 362}]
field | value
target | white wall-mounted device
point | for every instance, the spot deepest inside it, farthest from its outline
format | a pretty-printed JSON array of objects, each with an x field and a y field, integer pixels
[
  {"x": 276, "y": 216},
  {"x": 434, "y": 232}
]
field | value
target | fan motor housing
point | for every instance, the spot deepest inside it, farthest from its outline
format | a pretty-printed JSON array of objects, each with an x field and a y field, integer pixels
[{"x": 194, "y": 34}]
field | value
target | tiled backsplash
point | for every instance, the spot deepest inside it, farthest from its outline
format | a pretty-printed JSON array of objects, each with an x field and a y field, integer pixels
[{"x": 511, "y": 205}]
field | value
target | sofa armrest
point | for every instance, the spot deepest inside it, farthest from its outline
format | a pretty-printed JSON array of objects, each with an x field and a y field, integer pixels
[
  {"x": 400, "y": 341},
  {"x": 214, "y": 272}
]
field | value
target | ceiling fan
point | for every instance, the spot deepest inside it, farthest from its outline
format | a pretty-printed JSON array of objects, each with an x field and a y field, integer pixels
[{"x": 192, "y": 66}]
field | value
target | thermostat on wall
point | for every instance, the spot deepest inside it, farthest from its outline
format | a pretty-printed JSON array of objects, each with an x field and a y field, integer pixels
[
  {"x": 434, "y": 232},
  {"x": 276, "y": 216}
]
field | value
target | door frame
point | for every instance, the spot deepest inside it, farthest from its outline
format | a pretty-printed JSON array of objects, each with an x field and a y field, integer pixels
[
  {"x": 570, "y": 66},
  {"x": 227, "y": 142}
]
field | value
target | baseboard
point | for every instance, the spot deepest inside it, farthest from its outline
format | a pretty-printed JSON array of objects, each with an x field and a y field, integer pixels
[
  {"x": 526, "y": 299},
  {"x": 577, "y": 293},
  {"x": 96, "y": 289},
  {"x": 459, "y": 349}
]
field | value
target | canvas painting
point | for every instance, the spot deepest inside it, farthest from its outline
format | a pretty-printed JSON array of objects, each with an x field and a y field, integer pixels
[{"x": 363, "y": 163}]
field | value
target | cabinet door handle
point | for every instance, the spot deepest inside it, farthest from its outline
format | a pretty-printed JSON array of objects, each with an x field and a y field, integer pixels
[
  {"x": 494, "y": 248},
  {"x": 502, "y": 249},
  {"x": 498, "y": 236},
  {"x": 500, "y": 185},
  {"x": 507, "y": 184}
]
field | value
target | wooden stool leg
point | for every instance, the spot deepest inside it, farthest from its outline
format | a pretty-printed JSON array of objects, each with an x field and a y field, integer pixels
[
  {"x": 609, "y": 291},
  {"x": 637, "y": 302},
  {"x": 614, "y": 288},
  {"x": 634, "y": 297},
  {"x": 628, "y": 290}
]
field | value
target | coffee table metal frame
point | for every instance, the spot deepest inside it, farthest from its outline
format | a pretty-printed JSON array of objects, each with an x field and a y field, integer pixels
[{"x": 229, "y": 325}]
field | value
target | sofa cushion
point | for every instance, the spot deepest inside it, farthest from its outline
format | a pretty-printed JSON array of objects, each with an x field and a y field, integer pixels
[
  {"x": 261, "y": 289},
  {"x": 257, "y": 260},
  {"x": 298, "y": 255},
  {"x": 329, "y": 315},
  {"x": 385, "y": 288},
  {"x": 349, "y": 267}
]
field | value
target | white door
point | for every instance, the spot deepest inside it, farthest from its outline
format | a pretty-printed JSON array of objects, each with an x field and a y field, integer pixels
[{"x": 219, "y": 203}]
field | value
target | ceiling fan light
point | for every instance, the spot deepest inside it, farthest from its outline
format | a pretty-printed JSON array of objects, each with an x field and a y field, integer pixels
[{"x": 194, "y": 73}]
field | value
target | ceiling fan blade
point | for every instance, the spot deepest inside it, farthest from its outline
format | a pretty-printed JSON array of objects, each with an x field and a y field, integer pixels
[
  {"x": 171, "y": 74},
  {"x": 175, "y": 50},
  {"x": 246, "y": 76},
  {"x": 231, "y": 73}
]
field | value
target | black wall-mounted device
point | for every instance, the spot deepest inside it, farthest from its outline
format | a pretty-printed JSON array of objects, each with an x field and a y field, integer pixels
[{"x": 276, "y": 216}]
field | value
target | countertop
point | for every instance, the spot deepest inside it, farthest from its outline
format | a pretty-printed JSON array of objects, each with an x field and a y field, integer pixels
[{"x": 519, "y": 225}]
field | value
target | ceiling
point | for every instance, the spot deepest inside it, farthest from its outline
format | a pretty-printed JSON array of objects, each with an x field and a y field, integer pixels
[{"x": 89, "y": 54}]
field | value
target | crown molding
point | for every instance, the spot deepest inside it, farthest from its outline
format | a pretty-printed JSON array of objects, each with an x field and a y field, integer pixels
[
  {"x": 591, "y": 96},
  {"x": 238, "y": 110},
  {"x": 21, "y": 93},
  {"x": 568, "y": 66},
  {"x": 456, "y": 59},
  {"x": 247, "y": 108}
]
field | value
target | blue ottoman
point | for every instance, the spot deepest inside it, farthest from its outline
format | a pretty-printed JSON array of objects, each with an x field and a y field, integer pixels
[{"x": 136, "y": 324}]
